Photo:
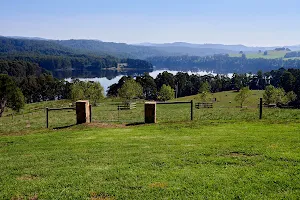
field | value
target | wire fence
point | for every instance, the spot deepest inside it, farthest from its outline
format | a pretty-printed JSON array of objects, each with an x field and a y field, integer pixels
[{"x": 108, "y": 112}]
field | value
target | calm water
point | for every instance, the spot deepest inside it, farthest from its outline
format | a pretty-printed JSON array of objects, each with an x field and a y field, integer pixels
[{"x": 107, "y": 81}]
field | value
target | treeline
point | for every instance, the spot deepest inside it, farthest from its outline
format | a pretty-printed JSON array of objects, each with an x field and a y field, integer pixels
[
  {"x": 54, "y": 57},
  {"x": 222, "y": 63},
  {"x": 292, "y": 54},
  {"x": 187, "y": 85},
  {"x": 35, "y": 83}
]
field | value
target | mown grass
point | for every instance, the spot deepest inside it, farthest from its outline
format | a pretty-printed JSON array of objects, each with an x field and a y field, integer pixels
[
  {"x": 191, "y": 160},
  {"x": 225, "y": 108}
]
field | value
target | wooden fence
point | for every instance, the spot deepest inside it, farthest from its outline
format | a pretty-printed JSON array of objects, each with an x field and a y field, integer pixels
[{"x": 181, "y": 102}]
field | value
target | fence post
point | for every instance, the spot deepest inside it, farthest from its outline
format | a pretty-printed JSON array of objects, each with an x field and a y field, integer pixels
[
  {"x": 260, "y": 108},
  {"x": 47, "y": 117},
  {"x": 192, "y": 114},
  {"x": 90, "y": 113}
]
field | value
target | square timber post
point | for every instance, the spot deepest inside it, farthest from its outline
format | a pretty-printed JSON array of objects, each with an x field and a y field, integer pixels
[
  {"x": 83, "y": 112},
  {"x": 150, "y": 112}
]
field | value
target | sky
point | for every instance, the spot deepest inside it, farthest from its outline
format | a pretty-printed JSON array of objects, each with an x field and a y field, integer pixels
[{"x": 248, "y": 22}]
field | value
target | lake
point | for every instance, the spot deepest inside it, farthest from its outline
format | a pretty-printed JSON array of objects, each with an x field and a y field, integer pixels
[{"x": 114, "y": 77}]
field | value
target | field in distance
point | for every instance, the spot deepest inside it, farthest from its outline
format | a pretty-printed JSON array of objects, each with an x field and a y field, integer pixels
[{"x": 271, "y": 55}]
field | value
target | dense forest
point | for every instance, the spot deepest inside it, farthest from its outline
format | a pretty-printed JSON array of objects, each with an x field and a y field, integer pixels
[
  {"x": 35, "y": 83},
  {"x": 222, "y": 63},
  {"x": 288, "y": 80},
  {"x": 55, "y": 57}
]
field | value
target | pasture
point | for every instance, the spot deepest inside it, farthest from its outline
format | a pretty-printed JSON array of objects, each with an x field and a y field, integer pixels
[
  {"x": 225, "y": 153},
  {"x": 212, "y": 160},
  {"x": 271, "y": 55}
]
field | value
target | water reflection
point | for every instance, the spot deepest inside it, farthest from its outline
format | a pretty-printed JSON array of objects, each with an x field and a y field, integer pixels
[{"x": 109, "y": 77}]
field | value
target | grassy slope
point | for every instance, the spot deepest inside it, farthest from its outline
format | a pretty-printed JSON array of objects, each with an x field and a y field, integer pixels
[
  {"x": 271, "y": 55},
  {"x": 245, "y": 160},
  {"x": 34, "y": 120}
]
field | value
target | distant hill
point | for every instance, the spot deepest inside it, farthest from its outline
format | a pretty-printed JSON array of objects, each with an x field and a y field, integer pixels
[
  {"x": 232, "y": 48},
  {"x": 52, "y": 56},
  {"x": 110, "y": 48}
]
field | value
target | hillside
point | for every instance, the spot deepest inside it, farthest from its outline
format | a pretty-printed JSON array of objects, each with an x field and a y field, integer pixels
[
  {"x": 55, "y": 57},
  {"x": 272, "y": 54}
]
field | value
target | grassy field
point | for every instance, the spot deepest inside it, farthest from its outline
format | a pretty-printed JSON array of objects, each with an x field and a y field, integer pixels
[
  {"x": 225, "y": 153},
  {"x": 271, "y": 55},
  {"x": 213, "y": 160},
  {"x": 32, "y": 118}
]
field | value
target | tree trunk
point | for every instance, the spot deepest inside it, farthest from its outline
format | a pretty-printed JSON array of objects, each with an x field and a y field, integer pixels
[{"x": 2, "y": 106}]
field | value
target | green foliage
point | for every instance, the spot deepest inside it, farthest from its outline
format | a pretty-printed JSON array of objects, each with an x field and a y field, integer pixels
[
  {"x": 92, "y": 91},
  {"x": 166, "y": 93},
  {"x": 17, "y": 100},
  {"x": 204, "y": 92},
  {"x": 204, "y": 87},
  {"x": 56, "y": 56},
  {"x": 274, "y": 95},
  {"x": 130, "y": 89},
  {"x": 243, "y": 96},
  {"x": 10, "y": 95}
]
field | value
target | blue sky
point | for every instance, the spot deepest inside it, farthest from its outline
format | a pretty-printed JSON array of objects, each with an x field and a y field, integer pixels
[{"x": 249, "y": 22}]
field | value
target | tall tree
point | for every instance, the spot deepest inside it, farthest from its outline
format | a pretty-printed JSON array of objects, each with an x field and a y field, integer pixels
[
  {"x": 10, "y": 95},
  {"x": 131, "y": 89},
  {"x": 166, "y": 93},
  {"x": 243, "y": 96}
]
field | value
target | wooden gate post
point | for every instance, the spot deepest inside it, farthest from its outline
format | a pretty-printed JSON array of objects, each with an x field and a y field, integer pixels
[
  {"x": 47, "y": 117},
  {"x": 192, "y": 114},
  {"x": 260, "y": 108},
  {"x": 83, "y": 112},
  {"x": 150, "y": 112},
  {"x": 90, "y": 113}
]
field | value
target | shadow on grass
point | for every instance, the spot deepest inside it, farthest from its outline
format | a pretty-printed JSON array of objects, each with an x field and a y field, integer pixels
[
  {"x": 63, "y": 127},
  {"x": 135, "y": 124}
]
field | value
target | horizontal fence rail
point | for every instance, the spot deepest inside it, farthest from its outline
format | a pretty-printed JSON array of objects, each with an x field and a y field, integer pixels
[
  {"x": 181, "y": 102},
  {"x": 175, "y": 102},
  {"x": 66, "y": 108},
  {"x": 54, "y": 109}
]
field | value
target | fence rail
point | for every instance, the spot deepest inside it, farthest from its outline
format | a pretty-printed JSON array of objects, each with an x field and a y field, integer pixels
[
  {"x": 53, "y": 109},
  {"x": 181, "y": 102}
]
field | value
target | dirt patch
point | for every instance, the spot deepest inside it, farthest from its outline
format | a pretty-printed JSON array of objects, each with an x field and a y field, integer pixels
[
  {"x": 27, "y": 177},
  {"x": 100, "y": 196},
  {"x": 106, "y": 125},
  {"x": 158, "y": 185}
]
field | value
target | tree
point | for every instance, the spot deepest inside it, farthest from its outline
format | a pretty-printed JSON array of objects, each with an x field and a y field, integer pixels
[
  {"x": 166, "y": 93},
  {"x": 269, "y": 94},
  {"x": 204, "y": 91},
  {"x": 242, "y": 96},
  {"x": 287, "y": 81},
  {"x": 265, "y": 53},
  {"x": 274, "y": 95},
  {"x": 10, "y": 95},
  {"x": 131, "y": 89},
  {"x": 149, "y": 86},
  {"x": 93, "y": 91}
]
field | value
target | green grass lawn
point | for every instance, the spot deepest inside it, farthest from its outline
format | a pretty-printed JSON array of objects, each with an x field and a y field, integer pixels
[
  {"x": 207, "y": 160},
  {"x": 32, "y": 118},
  {"x": 225, "y": 153}
]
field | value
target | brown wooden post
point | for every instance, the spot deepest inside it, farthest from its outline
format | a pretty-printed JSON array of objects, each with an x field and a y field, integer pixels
[
  {"x": 150, "y": 112},
  {"x": 47, "y": 117},
  {"x": 82, "y": 112},
  {"x": 192, "y": 114},
  {"x": 90, "y": 113},
  {"x": 260, "y": 108}
]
